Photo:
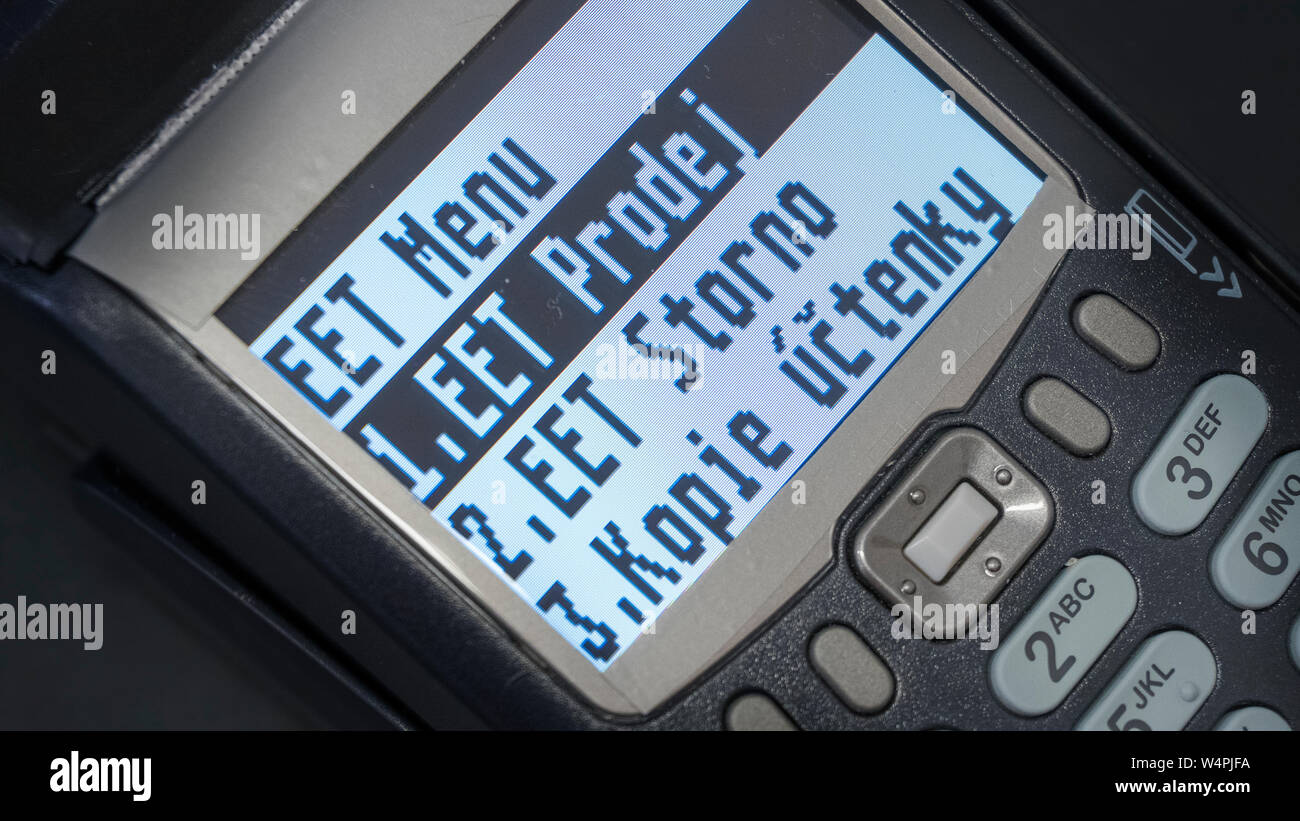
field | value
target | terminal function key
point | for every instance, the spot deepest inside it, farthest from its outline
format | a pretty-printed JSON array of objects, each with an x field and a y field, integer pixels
[
  {"x": 1160, "y": 688},
  {"x": 756, "y": 712},
  {"x": 1112, "y": 328},
  {"x": 1258, "y": 556},
  {"x": 1199, "y": 453},
  {"x": 1067, "y": 417},
  {"x": 848, "y": 666},
  {"x": 1063, "y": 635},
  {"x": 1294, "y": 644}
]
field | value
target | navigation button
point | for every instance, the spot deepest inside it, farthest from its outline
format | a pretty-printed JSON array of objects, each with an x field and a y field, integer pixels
[
  {"x": 1063, "y": 635},
  {"x": 950, "y": 531},
  {"x": 1253, "y": 718},
  {"x": 1199, "y": 453},
  {"x": 983, "y": 553},
  {"x": 1258, "y": 556},
  {"x": 1160, "y": 688}
]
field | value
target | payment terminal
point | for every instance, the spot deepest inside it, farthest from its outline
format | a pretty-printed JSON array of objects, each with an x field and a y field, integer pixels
[{"x": 696, "y": 364}]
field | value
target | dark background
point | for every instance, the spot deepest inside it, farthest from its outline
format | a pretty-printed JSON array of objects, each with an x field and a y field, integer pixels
[
  {"x": 1178, "y": 69},
  {"x": 1174, "y": 72}
]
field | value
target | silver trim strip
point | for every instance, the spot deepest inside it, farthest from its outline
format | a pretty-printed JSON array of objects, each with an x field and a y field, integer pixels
[{"x": 275, "y": 142}]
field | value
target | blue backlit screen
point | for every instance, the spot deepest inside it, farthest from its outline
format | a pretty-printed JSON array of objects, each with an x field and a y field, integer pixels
[{"x": 600, "y": 324}]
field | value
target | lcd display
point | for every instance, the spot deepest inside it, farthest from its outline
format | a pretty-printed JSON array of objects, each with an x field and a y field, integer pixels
[{"x": 603, "y": 319}]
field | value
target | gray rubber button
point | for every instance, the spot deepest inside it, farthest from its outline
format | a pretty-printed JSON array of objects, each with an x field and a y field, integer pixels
[
  {"x": 1254, "y": 719},
  {"x": 1160, "y": 688},
  {"x": 1199, "y": 453},
  {"x": 1257, "y": 558},
  {"x": 1067, "y": 416},
  {"x": 1062, "y": 635},
  {"x": 848, "y": 666},
  {"x": 756, "y": 712},
  {"x": 1113, "y": 328}
]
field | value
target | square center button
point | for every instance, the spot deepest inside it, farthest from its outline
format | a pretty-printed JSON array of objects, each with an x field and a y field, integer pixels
[{"x": 951, "y": 531}]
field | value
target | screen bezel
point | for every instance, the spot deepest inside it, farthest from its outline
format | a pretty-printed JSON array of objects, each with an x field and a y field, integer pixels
[{"x": 785, "y": 546}]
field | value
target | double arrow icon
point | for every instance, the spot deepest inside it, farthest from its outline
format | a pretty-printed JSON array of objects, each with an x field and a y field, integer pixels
[
  {"x": 1179, "y": 240},
  {"x": 1231, "y": 291}
]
